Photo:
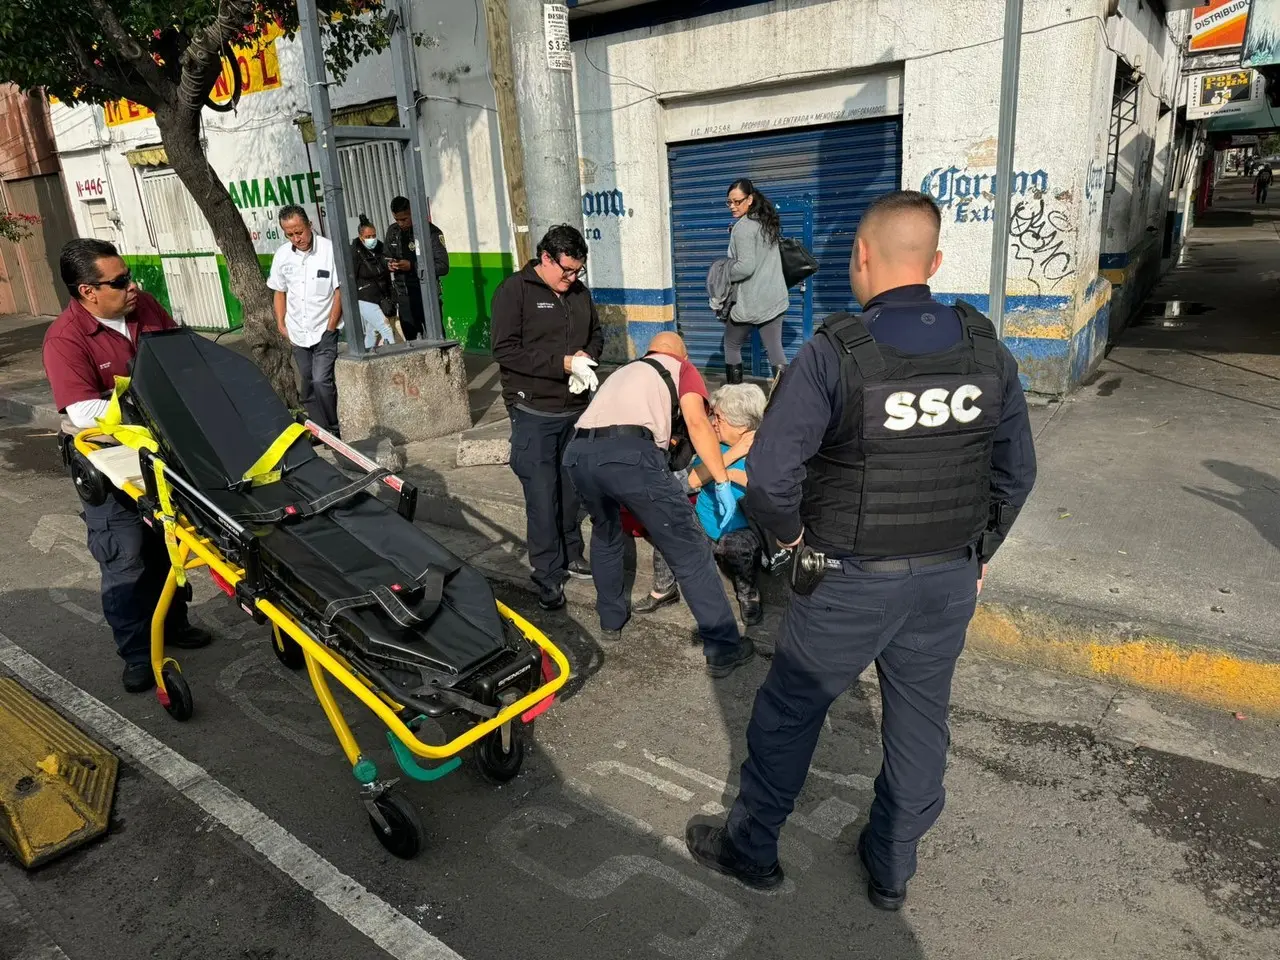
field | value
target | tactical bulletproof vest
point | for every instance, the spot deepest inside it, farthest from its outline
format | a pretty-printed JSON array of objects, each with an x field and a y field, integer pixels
[{"x": 907, "y": 471}]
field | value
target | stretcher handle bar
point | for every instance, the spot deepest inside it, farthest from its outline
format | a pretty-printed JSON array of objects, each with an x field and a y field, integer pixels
[
  {"x": 352, "y": 454},
  {"x": 366, "y": 696},
  {"x": 177, "y": 480}
]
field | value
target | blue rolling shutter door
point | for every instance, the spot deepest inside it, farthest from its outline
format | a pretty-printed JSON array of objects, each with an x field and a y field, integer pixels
[{"x": 821, "y": 178}]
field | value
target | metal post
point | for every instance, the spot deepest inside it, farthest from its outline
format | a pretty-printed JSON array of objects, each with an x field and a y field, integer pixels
[
  {"x": 327, "y": 153},
  {"x": 548, "y": 126},
  {"x": 1004, "y": 159},
  {"x": 402, "y": 66}
]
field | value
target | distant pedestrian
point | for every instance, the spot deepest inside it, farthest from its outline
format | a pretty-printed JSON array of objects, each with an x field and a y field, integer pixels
[
  {"x": 402, "y": 259},
  {"x": 760, "y": 294},
  {"x": 546, "y": 339},
  {"x": 1261, "y": 181},
  {"x": 308, "y": 307},
  {"x": 373, "y": 285}
]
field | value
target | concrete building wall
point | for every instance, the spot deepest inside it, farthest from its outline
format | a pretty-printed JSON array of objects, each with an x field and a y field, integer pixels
[{"x": 632, "y": 85}]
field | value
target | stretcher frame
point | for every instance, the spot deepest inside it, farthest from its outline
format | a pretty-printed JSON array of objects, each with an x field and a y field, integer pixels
[{"x": 394, "y": 821}]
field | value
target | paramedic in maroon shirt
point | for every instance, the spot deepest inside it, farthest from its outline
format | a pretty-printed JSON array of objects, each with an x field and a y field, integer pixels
[{"x": 93, "y": 341}]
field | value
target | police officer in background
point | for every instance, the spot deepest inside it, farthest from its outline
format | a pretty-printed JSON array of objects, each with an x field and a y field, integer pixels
[{"x": 894, "y": 457}]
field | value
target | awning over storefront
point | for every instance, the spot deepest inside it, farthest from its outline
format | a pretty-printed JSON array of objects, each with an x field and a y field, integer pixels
[
  {"x": 380, "y": 113},
  {"x": 155, "y": 156}
]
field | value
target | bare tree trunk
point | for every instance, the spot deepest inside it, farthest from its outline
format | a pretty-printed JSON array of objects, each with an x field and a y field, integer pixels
[{"x": 180, "y": 134}]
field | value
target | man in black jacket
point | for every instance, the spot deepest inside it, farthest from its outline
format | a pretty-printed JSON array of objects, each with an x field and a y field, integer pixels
[
  {"x": 543, "y": 317},
  {"x": 402, "y": 253}
]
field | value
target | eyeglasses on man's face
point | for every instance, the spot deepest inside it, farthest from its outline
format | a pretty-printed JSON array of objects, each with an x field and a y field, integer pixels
[
  {"x": 572, "y": 273},
  {"x": 121, "y": 282}
]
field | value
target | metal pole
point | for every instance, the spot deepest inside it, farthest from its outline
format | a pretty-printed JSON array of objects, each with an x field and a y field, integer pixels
[
  {"x": 402, "y": 66},
  {"x": 548, "y": 126},
  {"x": 327, "y": 154},
  {"x": 1004, "y": 159}
]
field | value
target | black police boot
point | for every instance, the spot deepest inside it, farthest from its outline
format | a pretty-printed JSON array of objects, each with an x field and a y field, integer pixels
[
  {"x": 712, "y": 848},
  {"x": 733, "y": 373},
  {"x": 883, "y": 898},
  {"x": 551, "y": 601},
  {"x": 579, "y": 569},
  {"x": 724, "y": 664},
  {"x": 649, "y": 603},
  {"x": 138, "y": 677}
]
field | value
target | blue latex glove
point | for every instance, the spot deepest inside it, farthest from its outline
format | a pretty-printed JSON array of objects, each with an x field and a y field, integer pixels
[{"x": 725, "y": 500}]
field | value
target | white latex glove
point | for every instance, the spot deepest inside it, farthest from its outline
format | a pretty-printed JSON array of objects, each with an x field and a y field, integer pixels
[{"x": 581, "y": 375}]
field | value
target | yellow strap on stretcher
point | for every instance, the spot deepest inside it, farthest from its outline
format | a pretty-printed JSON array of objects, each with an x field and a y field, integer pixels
[
  {"x": 264, "y": 469},
  {"x": 112, "y": 424}
]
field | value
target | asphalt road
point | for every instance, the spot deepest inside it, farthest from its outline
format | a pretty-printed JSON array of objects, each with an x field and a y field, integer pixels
[{"x": 1082, "y": 821}]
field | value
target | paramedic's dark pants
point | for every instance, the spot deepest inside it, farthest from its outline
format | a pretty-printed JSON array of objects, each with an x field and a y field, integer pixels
[
  {"x": 551, "y": 505},
  {"x": 912, "y": 624},
  {"x": 610, "y": 472},
  {"x": 134, "y": 566},
  {"x": 315, "y": 370}
]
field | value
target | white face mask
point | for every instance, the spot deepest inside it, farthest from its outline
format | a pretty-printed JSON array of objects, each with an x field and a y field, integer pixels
[{"x": 370, "y": 242}]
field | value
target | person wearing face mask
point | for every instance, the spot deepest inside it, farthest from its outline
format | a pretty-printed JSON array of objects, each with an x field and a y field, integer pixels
[
  {"x": 93, "y": 341},
  {"x": 373, "y": 284}
]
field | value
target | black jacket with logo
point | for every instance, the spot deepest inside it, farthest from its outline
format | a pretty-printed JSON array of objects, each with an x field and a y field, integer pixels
[{"x": 533, "y": 330}]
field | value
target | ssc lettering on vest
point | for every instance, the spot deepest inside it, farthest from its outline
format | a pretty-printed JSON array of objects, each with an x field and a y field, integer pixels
[{"x": 933, "y": 407}]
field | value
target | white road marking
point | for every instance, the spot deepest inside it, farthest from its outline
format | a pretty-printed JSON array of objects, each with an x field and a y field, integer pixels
[
  {"x": 829, "y": 819},
  {"x": 287, "y": 688},
  {"x": 855, "y": 780},
  {"x": 605, "y": 767},
  {"x": 689, "y": 773},
  {"x": 31, "y": 943},
  {"x": 59, "y": 596},
  {"x": 364, "y": 910}
]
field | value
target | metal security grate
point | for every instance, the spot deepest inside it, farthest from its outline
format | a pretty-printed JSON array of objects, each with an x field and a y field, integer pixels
[{"x": 372, "y": 174}]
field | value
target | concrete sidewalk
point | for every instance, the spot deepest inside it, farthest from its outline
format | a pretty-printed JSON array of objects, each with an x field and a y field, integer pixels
[{"x": 1148, "y": 553}]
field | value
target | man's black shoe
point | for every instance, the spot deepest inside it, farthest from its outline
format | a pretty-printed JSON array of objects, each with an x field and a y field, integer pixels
[
  {"x": 610, "y": 636},
  {"x": 580, "y": 570},
  {"x": 721, "y": 666},
  {"x": 712, "y": 848},
  {"x": 553, "y": 601},
  {"x": 650, "y": 603},
  {"x": 187, "y": 638},
  {"x": 882, "y": 898},
  {"x": 752, "y": 611},
  {"x": 137, "y": 677}
]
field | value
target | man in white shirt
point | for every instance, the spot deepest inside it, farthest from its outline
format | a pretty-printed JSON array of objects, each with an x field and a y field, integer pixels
[{"x": 308, "y": 306}]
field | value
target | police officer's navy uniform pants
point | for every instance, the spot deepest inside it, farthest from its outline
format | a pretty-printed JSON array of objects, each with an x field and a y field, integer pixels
[
  {"x": 912, "y": 625},
  {"x": 134, "y": 565},
  {"x": 551, "y": 504},
  {"x": 610, "y": 472}
]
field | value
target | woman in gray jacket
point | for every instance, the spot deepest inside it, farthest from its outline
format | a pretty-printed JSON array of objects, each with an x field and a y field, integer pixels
[{"x": 756, "y": 269}]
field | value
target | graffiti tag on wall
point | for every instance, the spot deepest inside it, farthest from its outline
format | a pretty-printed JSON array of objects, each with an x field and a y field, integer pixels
[
  {"x": 971, "y": 195},
  {"x": 1039, "y": 243}
]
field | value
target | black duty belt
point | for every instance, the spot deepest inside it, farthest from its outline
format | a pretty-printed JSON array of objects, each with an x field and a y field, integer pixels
[
  {"x": 609, "y": 433},
  {"x": 905, "y": 564}
]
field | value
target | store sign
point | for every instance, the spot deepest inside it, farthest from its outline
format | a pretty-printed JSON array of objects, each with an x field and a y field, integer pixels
[
  {"x": 273, "y": 192},
  {"x": 1262, "y": 36},
  {"x": 1223, "y": 94},
  {"x": 1218, "y": 25},
  {"x": 259, "y": 69}
]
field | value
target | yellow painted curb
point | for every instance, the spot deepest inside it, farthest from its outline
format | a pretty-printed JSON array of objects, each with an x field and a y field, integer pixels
[{"x": 1212, "y": 677}]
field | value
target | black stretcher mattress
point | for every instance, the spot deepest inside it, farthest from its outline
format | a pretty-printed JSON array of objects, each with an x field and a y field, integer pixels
[{"x": 214, "y": 414}]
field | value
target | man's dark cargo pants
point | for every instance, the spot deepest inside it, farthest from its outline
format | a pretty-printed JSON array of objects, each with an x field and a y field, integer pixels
[
  {"x": 134, "y": 564},
  {"x": 551, "y": 506},
  {"x": 912, "y": 624},
  {"x": 630, "y": 471}
]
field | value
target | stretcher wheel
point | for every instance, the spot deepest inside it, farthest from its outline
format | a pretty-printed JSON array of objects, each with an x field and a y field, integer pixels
[
  {"x": 90, "y": 484},
  {"x": 287, "y": 650},
  {"x": 404, "y": 838},
  {"x": 499, "y": 761},
  {"x": 180, "y": 705}
]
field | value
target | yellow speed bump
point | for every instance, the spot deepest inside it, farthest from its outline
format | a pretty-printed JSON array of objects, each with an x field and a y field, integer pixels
[{"x": 56, "y": 785}]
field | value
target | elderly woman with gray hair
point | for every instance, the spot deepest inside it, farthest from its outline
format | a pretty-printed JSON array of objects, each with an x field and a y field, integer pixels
[{"x": 737, "y": 410}]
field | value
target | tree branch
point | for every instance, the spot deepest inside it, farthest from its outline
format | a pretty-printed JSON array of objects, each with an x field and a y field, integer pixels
[
  {"x": 134, "y": 53},
  {"x": 202, "y": 60},
  {"x": 109, "y": 80}
]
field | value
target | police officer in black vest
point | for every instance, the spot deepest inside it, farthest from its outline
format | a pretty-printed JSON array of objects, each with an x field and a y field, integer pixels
[{"x": 894, "y": 456}]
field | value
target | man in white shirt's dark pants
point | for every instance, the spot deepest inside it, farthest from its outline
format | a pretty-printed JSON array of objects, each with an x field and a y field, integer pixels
[{"x": 308, "y": 306}]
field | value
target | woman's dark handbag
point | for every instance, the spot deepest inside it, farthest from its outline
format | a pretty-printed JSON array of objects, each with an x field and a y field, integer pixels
[
  {"x": 797, "y": 262},
  {"x": 387, "y": 306}
]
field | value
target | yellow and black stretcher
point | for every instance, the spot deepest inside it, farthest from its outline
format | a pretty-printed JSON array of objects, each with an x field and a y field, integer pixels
[{"x": 352, "y": 589}]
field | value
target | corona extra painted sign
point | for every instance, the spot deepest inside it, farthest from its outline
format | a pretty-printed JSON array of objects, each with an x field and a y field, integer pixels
[{"x": 259, "y": 71}]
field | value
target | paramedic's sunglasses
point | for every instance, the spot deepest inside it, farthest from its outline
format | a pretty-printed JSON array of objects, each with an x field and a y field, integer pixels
[{"x": 119, "y": 283}]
